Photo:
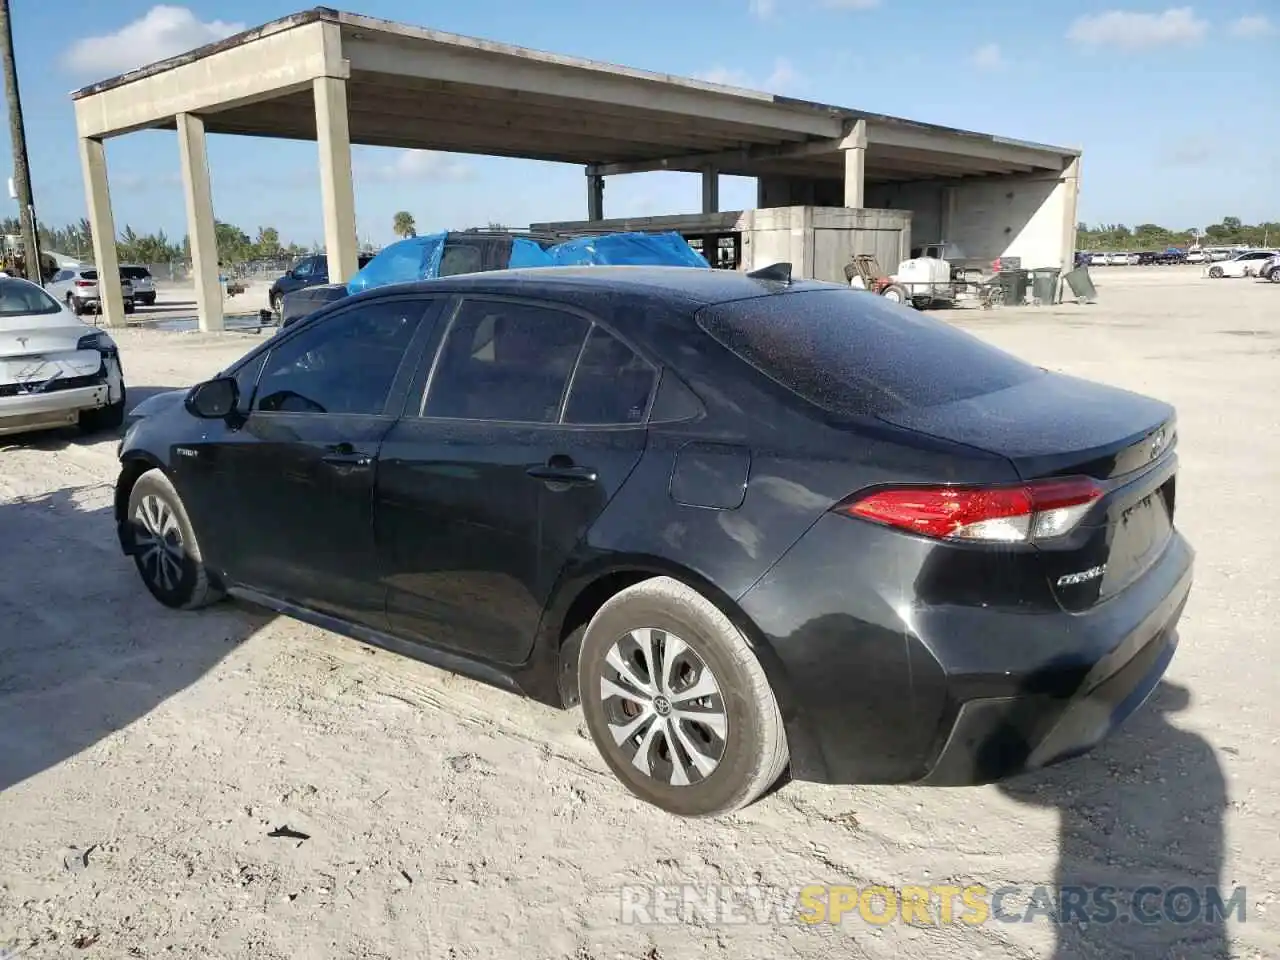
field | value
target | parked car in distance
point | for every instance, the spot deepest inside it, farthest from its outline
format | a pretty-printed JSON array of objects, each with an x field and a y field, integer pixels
[
  {"x": 77, "y": 288},
  {"x": 144, "y": 285},
  {"x": 1270, "y": 269},
  {"x": 310, "y": 271},
  {"x": 1100, "y": 259},
  {"x": 464, "y": 251},
  {"x": 1241, "y": 265},
  {"x": 1197, "y": 255},
  {"x": 745, "y": 524},
  {"x": 55, "y": 369}
]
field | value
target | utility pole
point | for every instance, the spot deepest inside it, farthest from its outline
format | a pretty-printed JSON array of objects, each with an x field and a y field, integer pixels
[{"x": 21, "y": 168}]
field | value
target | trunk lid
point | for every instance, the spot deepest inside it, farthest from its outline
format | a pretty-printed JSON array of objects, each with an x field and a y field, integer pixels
[
  {"x": 35, "y": 335},
  {"x": 34, "y": 349},
  {"x": 1056, "y": 425}
]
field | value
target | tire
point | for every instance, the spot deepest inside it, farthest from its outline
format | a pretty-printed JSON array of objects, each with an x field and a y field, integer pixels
[
  {"x": 921, "y": 303},
  {"x": 100, "y": 419},
  {"x": 894, "y": 293},
  {"x": 172, "y": 568},
  {"x": 741, "y": 751},
  {"x": 77, "y": 306},
  {"x": 129, "y": 306},
  {"x": 277, "y": 304},
  {"x": 1215, "y": 273},
  {"x": 1274, "y": 275}
]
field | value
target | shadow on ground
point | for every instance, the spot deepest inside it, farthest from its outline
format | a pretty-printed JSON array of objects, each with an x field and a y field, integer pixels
[
  {"x": 1144, "y": 810},
  {"x": 85, "y": 650}
]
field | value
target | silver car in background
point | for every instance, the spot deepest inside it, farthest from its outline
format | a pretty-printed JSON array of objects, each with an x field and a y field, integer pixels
[
  {"x": 144, "y": 285},
  {"x": 77, "y": 288}
]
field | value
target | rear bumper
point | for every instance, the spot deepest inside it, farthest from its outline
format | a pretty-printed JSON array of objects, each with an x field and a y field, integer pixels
[
  {"x": 878, "y": 686},
  {"x": 42, "y": 411}
]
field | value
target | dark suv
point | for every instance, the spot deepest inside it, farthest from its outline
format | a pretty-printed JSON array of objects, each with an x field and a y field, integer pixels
[
  {"x": 310, "y": 271},
  {"x": 466, "y": 251}
]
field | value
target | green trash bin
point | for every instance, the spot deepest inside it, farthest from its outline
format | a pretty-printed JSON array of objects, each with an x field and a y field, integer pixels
[
  {"x": 1044, "y": 284},
  {"x": 1015, "y": 283}
]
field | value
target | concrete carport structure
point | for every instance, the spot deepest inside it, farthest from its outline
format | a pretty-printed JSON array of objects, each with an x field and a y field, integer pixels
[{"x": 339, "y": 78}]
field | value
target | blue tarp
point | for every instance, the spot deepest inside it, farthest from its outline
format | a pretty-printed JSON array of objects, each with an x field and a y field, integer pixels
[
  {"x": 528, "y": 253},
  {"x": 636, "y": 249},
  {"x": 418, "y": 258}
]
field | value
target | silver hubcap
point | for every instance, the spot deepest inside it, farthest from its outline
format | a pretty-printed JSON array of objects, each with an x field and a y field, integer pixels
[
  {"x": 159, "y": 542},
  {"x": 664, "y": 707},
  {"x": 892, "y": 296}
]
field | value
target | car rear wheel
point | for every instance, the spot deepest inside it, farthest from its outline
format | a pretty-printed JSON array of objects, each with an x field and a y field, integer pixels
[
  {"x": 75, "y": 306},
  {"x": 277, "y": 304},
  {"x": 677, "y": 703},
  {"x": 164, "y": 545},
  {"x": 1216, "y": 273}
]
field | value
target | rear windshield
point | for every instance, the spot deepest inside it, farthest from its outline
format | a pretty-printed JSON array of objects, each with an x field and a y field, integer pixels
[
  {"x": 853, "y": 353},
  {"x": 89, "y": 274},
  {"x": 135, "y": 273},
  {"x": 18, "y": 298}
]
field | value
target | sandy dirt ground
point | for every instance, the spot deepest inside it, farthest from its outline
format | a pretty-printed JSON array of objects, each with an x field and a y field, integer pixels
[{"x": 147, "y": 757}]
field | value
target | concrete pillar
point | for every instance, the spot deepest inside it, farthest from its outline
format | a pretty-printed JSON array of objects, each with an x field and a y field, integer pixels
[
  {"x": 336, "y": 190},
  {"x": 854, "y": 146},
  {"x": 93, "y": 161},
  {"x": 1070, "y": 210},
  {"x": 200, "y": 223},
  {"x": 710, "y": 190},
  {"x": 595, "y": 196}
]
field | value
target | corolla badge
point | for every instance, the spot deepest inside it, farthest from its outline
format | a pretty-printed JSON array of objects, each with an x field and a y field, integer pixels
[{"x": 1083, "y": 576}]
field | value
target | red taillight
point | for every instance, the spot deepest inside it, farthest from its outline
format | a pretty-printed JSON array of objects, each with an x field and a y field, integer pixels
[
  {"x": 1008, "y": 514},
  {"x": 86, "y": 283}
]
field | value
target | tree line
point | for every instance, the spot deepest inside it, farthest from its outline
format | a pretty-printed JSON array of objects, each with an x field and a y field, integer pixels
[
  {"x": 234, "y": 244},
  {"x": 1229, "y": 232}
]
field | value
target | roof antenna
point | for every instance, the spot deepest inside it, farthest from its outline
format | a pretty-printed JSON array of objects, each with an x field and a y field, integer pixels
[{"x": 777, "y": 272}]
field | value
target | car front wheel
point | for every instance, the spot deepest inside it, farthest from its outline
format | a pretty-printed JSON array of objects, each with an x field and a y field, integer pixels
[
  {"x": 677, "y": 703},
  {"x": 164, "y": 546}
]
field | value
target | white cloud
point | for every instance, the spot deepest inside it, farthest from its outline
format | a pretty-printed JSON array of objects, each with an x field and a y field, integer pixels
[
  {"x": 764, "y": 9},
  {"x": 420, "y": 166},
  {"x": 1254, "y": 26},
  {"x": 988, "y": 57},
  {"x": 783, "y": 78},
  {"x": 162, "y": 32},
  {"x": 1127, "y": 30}
]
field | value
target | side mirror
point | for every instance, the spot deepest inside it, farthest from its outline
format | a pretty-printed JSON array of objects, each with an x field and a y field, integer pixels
[{"x": 214, "y": 399}]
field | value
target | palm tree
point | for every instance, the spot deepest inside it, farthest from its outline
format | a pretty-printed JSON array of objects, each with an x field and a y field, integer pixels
[{"x": 403, "y": 225}]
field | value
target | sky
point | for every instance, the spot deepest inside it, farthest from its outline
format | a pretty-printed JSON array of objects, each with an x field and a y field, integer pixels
[{"x": 1175, "y": 107}]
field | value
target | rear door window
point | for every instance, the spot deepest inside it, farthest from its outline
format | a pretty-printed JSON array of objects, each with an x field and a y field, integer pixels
[
  {"x": 505, "y": 361},
  {"x": 853, "y": 353},
  {"x": 611, "y": 385}
]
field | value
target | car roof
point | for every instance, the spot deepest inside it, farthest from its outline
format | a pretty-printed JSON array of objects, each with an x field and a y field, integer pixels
[{"x": 687, "y": 285}]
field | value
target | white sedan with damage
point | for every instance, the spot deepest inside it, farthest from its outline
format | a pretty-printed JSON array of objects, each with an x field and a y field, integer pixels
[{"x": 55, "y": 369}]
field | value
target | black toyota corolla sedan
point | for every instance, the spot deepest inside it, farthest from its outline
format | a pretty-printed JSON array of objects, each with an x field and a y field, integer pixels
[{"x": 749, "y": 525}]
